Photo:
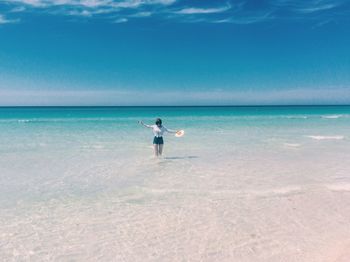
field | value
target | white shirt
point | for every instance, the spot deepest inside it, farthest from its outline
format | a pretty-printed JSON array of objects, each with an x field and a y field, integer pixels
[{"x": 159, "y": 131}]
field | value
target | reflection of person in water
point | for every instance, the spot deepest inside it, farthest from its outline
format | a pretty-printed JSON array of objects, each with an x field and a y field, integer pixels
[{"x": 158, "y": 131}]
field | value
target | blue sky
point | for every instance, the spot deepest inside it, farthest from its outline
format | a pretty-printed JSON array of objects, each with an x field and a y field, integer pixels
[{"x": 174, "y": 52}]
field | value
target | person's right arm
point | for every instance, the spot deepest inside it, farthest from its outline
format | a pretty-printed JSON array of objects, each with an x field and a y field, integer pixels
[{"x": 149, "y": 126}]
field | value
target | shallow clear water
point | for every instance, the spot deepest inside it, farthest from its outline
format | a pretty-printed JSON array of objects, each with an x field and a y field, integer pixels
[{"x": 244, "y": 182}]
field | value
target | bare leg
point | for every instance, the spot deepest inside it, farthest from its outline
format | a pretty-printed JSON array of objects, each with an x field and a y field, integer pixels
[
  {"x": 156, "y": 151},
  {"x": 160, "y": 151}
]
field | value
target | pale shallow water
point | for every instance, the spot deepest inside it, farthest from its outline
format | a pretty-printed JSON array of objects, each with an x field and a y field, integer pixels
[{"x": 243, "y": 184}]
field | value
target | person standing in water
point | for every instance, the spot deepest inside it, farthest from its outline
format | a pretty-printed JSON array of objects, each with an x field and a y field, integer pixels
[{"x": 158, "y": 131}]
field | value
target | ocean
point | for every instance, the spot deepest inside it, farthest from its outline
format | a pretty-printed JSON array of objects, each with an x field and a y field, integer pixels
[{"x": 268, "y": 183}]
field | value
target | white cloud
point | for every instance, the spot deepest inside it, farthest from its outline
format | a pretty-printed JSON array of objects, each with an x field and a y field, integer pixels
[
  {"x": 18, "y": 9},
  {"x": 119, "y": 10},
  {"x": 220, "y": 21},
  {"x": 121, "y": 20},
  {"x": 4, "y": 20},
  {"x": 90, "y": 7},
  {"x": 80, "y": 13},
  {"x": 94, "y": 3},
  {"x": 246, "y": 20},
  {"x": 194, "y": 10},
  {"x": 141, "y": 14},
  {"x": 317, "y": 8},
  {"x": 160, "y": 2},
  {"x": 35, "y": 3},
  {"x": 312, "y": 6}
]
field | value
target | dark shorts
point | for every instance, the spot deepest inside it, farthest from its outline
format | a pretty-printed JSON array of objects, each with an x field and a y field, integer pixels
[{"x": 158, "y": 140}]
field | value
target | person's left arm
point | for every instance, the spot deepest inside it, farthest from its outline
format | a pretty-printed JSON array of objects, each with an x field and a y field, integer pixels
[{"x": 170, "y": 130}]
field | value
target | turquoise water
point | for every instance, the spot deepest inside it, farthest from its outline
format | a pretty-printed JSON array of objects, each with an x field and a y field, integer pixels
[
  {"x": 42, "y": 135},
  {"x": 33, "y": 139},
  {"x": 77, "y": 160}
]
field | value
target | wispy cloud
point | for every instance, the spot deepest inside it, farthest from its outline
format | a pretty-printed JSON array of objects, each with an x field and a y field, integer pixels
[
  {"x": 317, "y": 8},
  {"x": 141, "y": 14},
  {"x": 80, "y": 13},
  {"x": 35, "y": 3},
  {"x": 196, "y": 10},
  {"x": 93, "y": 3},
  {"x": 90, "y": 8},
  {"x": 312, "y": 6},
  {"x": 4, "y": 20},
  {"x": 18, "y": 9},
  {"x": 121, "y": 20},
  {"x": 237, "y": 12},
  {"x": 246, "y": 20}
]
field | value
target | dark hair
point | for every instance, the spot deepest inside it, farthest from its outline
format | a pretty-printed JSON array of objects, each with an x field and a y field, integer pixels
[{"x": 158, "y": 122}]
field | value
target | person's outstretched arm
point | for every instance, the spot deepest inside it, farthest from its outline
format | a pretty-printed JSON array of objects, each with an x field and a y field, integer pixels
[
  {"x": 149, "y": 126},
  {"x": 170, "y": 130}
]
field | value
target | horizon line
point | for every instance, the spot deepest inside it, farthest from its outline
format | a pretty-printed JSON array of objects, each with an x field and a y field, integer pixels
[{"x": 273, "y": 105}]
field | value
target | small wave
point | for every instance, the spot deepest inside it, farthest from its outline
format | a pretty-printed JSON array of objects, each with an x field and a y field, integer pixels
[
  {"x": 327, "y": 137},
  {"x": 55, "y": 120},
  {"x": 339, "y": 187},
  {"x": 93, "y": 147},
  {"x": 286, "y": 190},
  {"x": 277, "y": 192},
  {"x": 331, "y": 116},
  {"x": 292, "y": 144},
  {"x": 297, "y": 117},
  {"x": 23, "y": 121}
]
